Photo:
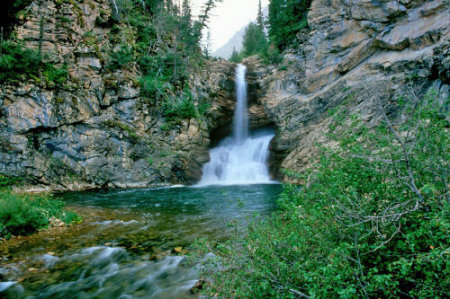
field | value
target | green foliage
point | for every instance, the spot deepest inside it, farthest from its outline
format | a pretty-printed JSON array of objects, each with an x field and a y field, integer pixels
[
  {"x": 286, "y": 19},
  {"x": 371, "y": 221},
  {"x": 121, "y": 57},
  {"x": 18, "y": 63},
  {"x": 203, "y": 108},
  {"x": 25, "y": 214},
  {"x": 55, "y": 76},
  {"x": 273, "y": 55},
  {"x": 166, "y": 48},
  {"x": 134, "y": 137},
  {"x": 255, "y": 41},
  {"x": 8, "y": 181},
  {"x": 236, "y": 57},
  {"x": 177, "y": 109}
]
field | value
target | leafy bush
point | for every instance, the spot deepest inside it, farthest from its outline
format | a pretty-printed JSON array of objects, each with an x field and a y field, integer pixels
[
  {"x": 180, "y": 108},
  {"x": 7, "y": 181},
  {"x": 25, "y": 214},
  {"x": 286, "y": 19},
  {"x": 121, "y": 57},
  {"x": 371, "y": 221},
  {"x": 154, "y": 87},
  {"x": 18, "y": 63}
]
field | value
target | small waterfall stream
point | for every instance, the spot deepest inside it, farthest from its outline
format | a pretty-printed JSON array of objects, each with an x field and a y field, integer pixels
[
  {"x": 242, "y": 157},
  {"x": 132, "y": 243}
]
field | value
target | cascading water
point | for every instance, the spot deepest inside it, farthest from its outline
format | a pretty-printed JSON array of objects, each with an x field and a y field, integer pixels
[
  {"x": 240, "y": 120},
  {"x": 242, "y": 158}
]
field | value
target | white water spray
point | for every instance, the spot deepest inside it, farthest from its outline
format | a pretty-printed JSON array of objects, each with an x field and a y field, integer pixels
[{"x": 240, "y": 159}]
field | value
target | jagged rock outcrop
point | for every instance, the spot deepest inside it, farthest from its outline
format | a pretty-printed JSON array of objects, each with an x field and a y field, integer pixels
[
  {"x": 97, "y": 131},
  {"x": 358, "y": 54}
]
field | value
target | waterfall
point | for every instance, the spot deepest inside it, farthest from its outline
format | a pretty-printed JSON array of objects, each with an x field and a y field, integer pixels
[
  {"x": 240, "y": 158},
  {"x": 240, "y": 120}
]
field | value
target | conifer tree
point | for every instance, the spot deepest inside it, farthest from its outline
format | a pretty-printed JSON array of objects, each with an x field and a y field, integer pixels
[
  {"x": 186, "y": 11},
  {"x": 208, "y": 45},
  {"x": 235, "y": 56},
  {"x": 286, "y": 19},
  {"x": 260, "y": 18},
  {"x": 255, "y": 41}
]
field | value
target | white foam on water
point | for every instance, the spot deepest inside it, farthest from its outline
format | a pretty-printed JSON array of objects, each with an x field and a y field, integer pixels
[
  {"x": 109, "y": 222},
  {"x": 240, "y": 159}
]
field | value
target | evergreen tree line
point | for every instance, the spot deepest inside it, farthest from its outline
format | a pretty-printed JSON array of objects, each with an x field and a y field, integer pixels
[
  {"x": 286, "y": 19},
  {"x": 166, "y": 47},
  {"x": 159, "y": 38}
]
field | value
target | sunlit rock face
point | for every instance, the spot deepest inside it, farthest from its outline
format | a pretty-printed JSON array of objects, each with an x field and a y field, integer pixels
[
  {"x": 97, "y": 131},
  {"x": 357, "y": 54}
]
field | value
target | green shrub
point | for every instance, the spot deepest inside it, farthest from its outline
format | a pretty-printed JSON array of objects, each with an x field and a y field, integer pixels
[
  {"x": 18, "y": 63},
  {"x": 371, "y": 221},
  {"x": 286, "y": 19},
  {"x": 176, "y": 109},
  {"x": 121, "y": 57},
  {"x": 236, "y": 57},
  {"x": 154, "y": 87},
  {"x": 134, "y": 137},
  {"x": 203, "y": 108},
  {"x": 8, "y": 181},
  {"x": 25, "y": 214}
]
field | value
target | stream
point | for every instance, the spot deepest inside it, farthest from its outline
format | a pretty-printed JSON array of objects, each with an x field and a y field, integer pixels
[{"x": 132, "y": 243}]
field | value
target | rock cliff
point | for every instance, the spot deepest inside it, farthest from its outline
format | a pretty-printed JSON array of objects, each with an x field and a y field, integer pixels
[
  {"x": 358, "y": 54},
  {"x": 97, "y": 131}
]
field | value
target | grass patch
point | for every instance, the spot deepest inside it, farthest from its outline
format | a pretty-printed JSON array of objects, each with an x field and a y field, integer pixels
[{"x": 26, "y": 214}]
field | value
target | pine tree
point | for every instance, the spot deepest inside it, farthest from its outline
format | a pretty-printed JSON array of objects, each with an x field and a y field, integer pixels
[
  {"x": 169, "y": 6},
  {"x": 208, "y": 45},
  {"x": 286, "y": 19},
  {"x": 235, "y": 56},
  {"x": 260, "y": 18},
  {"x": 186, "y": 11},
  {"x": 255, "y": 41}
]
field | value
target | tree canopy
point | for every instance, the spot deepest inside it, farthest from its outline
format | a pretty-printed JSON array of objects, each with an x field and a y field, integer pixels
[
  {"x": 286, "y": 19},
  {"x": 255, "y": 41}
]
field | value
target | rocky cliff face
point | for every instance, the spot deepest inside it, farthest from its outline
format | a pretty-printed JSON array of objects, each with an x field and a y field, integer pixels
[
  {"x": 98, "y": 131},
  {"x": 358, "y": 54}
]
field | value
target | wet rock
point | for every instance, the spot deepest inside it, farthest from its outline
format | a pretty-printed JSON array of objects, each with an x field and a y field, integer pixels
[
  {"x": 198, "y": 286},
  {"x": 97, "y": 131},
  {"x": 357, "y": 55}
]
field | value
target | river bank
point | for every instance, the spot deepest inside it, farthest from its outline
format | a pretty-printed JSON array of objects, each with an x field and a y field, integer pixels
[{"x": 135, "y": 239}]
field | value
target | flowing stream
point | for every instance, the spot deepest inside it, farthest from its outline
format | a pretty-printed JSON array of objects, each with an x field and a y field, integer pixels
[{"x": 134, "y": 243}]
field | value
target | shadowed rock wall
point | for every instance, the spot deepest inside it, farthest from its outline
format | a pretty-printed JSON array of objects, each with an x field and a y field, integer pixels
[{"x": 97, "y": 131}]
